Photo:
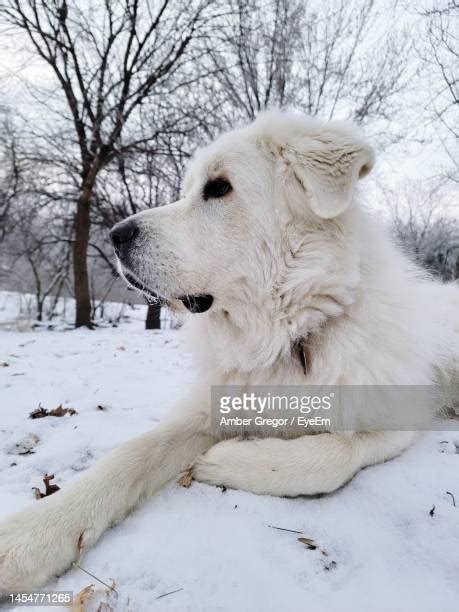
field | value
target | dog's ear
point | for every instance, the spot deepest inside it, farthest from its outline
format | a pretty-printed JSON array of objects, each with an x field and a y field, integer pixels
[{"x": 328, "y": 165}]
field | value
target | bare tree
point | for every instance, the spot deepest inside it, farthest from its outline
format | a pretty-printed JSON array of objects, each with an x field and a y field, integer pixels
[
  {"x": 440, "y": 54},
  {"x": 39, "y": 248},
  {"x": 108, "y": 60},
  {"x": 325, "y": 57},
  {"x": 254, "y": 54},
  {"x": 11, "y": 172},
  {"x": 425, "y": 228}
]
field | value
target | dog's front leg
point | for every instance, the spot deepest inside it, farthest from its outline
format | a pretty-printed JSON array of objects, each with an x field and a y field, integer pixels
[
  {"x": 44, "y": 539},
  {"x": 303, "y": 466}
]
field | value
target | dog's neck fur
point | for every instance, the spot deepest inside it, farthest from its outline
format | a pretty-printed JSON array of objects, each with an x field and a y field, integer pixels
[{"x": 280, "y": 325}]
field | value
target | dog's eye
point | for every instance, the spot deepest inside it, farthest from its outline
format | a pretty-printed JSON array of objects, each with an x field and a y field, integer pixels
[{"x": 216, "y": 188}]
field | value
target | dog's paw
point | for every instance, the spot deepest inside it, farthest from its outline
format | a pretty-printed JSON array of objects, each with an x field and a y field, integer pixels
[
  {"x": 220, "y": 465},
  {"x": 37, "y": 544}
]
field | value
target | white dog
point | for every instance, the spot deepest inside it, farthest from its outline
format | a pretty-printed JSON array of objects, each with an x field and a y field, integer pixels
[{"x": 290, "y": 282}]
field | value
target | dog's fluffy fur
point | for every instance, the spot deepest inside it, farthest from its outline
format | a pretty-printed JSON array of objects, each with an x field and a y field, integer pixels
[{"x": 288, "y": 254}]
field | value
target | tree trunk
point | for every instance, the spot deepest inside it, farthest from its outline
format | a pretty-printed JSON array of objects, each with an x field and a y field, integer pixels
[
  {"x": 80, "y": 263},
  {"x": 39, "y": 309},
  {"x": 153, "y": 320}
]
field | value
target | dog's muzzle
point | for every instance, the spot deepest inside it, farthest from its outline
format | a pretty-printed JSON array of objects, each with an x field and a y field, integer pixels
[{"x": 122, "y": 236}]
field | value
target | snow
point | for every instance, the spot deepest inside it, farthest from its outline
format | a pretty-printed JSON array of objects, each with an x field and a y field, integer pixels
[{"x": 384, "y": 550}]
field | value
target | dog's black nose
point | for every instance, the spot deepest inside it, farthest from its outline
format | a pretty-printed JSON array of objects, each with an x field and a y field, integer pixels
[{"x": 123, "y": 232}]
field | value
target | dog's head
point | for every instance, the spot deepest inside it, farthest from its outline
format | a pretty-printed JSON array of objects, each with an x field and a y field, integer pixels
[{"x": 261, "y": 208}]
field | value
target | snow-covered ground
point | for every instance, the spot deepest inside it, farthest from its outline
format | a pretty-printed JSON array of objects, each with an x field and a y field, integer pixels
[{"x": 379, "y": 547}]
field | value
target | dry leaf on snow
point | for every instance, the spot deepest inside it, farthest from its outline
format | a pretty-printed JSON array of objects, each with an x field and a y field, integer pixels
[
  {"x": 308, "y": 542},
  {"x": 60, "y": 411},
  {"x": 82, "y": 598},
  {"x": 49, "y": 488},
  {"x": 98, "y": 600}
]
